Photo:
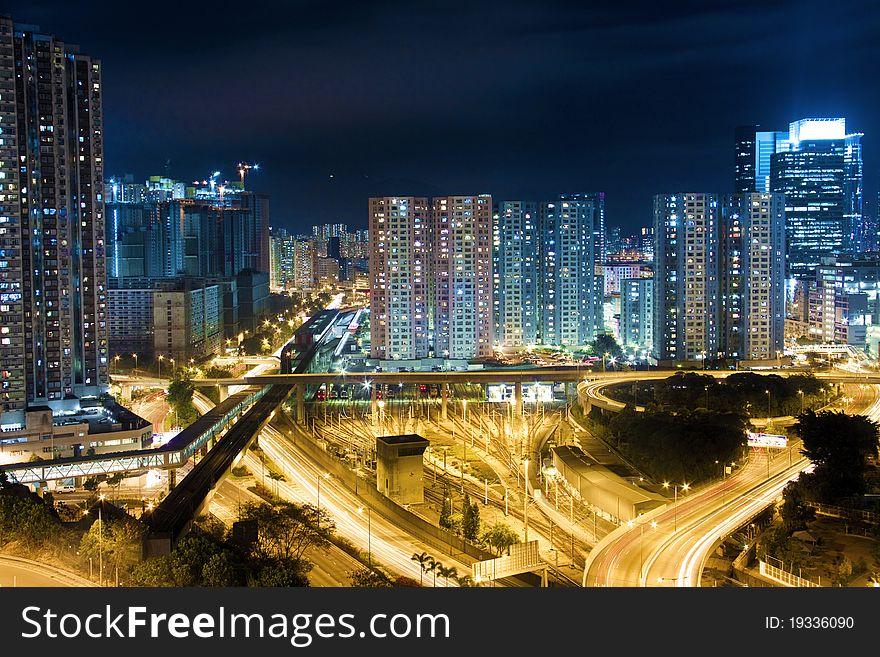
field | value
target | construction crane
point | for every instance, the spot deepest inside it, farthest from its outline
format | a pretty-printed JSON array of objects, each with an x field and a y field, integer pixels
[{"x": 243, "y": 168}]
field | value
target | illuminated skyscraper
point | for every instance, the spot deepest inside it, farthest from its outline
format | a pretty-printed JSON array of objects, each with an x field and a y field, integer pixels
[
  {"x": 571, "y": 295},
  {"x": 686, "y": 304},
  {"x": 820, "y": 172},
  {"x": 461, "y": 229},
  {"x": 515, "y": 259},
  {"x": 719, "y": 278},
  {"x": 818, "y": 166},
  {"x": 399, "y": 270},
  {"x": 53, "y": 316}
]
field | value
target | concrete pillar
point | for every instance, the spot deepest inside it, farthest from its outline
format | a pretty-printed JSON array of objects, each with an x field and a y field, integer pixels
[
  {"x": 126, "y": 393},
  {"x": 517, "y": 395},
  {"x": 444, "y": 401},
  {"x": 299, "y": 390},
  {"x": 374, "y": 405},
  {"x": 224, "y": 392},
  {"x": 172, "y": 479}
]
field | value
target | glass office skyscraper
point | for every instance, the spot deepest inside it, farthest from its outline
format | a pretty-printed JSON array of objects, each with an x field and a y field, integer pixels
[{"x": 818, "y": 166}]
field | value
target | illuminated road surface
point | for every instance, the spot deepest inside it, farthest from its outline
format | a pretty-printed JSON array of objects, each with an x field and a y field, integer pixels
[
  {"x": 669, "y": 546},
  {"x": 391, "y": 546}
]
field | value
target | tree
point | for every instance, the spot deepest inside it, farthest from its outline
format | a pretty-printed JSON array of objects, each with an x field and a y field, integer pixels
[
  {"x": 795, "y": 513},
  {"x": 446, "y": 572},
  {"x": 470, "y": 521},
  {"x": 423, "y": 560},
  {"x": 432, "y": 566},
  {"x": 286, "y": 530},
  {"x": 370, "y": 579},
  {"x": 179, "y": 398},
  {"x": 284, "y": 573},
  {"x": 220, "y": 570},
  {"x": 839, "y": 445},
  {"x": 500, "y": 537},
  {"x": 606, "y": 344}
]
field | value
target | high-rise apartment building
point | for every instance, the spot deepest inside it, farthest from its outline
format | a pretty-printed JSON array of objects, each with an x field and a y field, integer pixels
[
  {"x": 304, "y": 256},
  {"x": 686, "y": 304},
  {"x": 515, "y": 260},
  {"x": 752, "y": 276},
  {"x": 281, "y": 252},
  {"x": 637, "y": 314},
  {"x": 399, "y": 277},
  {"x": 53, "y": 316},
  {"x": 462, "y": 275},
  {"x": 187, "y": 231},
  {"x": 719, "y": 282},
  {"x": 571, "y": 296}
]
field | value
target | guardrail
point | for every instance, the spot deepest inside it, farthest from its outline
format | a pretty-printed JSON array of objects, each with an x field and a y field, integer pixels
[{"x": 784, "y": 577}]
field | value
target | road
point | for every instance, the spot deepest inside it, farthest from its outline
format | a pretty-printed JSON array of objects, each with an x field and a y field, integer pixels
[
  {"x": 15, "y": 571},
  {"x": 331, "y": 565},
  {"x": 390, "y": 545},
  {"x": 669, "y": 546},
  {"x": 153, "y": 408}
]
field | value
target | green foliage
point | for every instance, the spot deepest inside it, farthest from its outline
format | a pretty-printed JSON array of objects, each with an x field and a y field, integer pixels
[
  {"x": 179, "y": 398},
  {"x": 470, "y": 519},
  {"x": 369, "y": 579},
  {"x": 742, "y": 392},
  {"x": 286, "y": 530},
  {"x": 500, "y": 537},
  {"x": 683, "y": 446},
  {"x": 606, "y": 344},
  {"x": 25, "y": 518},
  {"x": 839, "y": 445},
  {"x": 795, "y": 513},
  {"x": 198, "y": 560},
  {"x": 119, "y": 542},
  {"x": 278, "y": 572},
  {"x": 215, "y": 372}
]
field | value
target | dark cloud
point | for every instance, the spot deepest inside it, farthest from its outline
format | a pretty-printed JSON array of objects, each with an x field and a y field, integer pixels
[{"x": 515, "y": 98}]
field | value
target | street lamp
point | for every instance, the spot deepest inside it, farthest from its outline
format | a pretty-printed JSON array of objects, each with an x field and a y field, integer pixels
[
  {"x": 526, "y": 501},
  {"x": 160, "y": 359},
  {"x": 135, "y": 364},
  {"x": 369, "y": 535},
  {"x": 801, "y": 393},
  {"x": 604, "y": 356},
  {"x": 641, "y": 541},
  {"x": 116, "y": 360},
  {"x": 685, "y": 488},
  {"x": 769, "y": 414},
  {"x": 100, "y": 543}
]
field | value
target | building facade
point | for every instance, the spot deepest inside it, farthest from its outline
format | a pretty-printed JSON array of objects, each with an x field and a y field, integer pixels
[
  {"x": 571, "y": 295},
  {"x": 637, "y": 314},
  {"x": 686, "y": 303},
  {"x": 817, "y": 164},
  {"x": 461, "y": 229},
  {"x": 399, "y": 275},
  {"x": 719, "y": 288},
  {"x": 515, "y": 267},
  {"x": 53, "y": 297}
]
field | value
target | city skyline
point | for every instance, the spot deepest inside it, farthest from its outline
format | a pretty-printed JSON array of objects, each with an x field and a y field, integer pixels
[{"x": 564, "y": 64}]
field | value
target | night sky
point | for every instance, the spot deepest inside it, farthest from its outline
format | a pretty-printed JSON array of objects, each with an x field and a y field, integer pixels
[{"x": 338, "y": 101}]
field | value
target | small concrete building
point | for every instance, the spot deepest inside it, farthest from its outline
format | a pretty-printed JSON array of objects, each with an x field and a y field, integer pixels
[{"x": 399, "y": 468}]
